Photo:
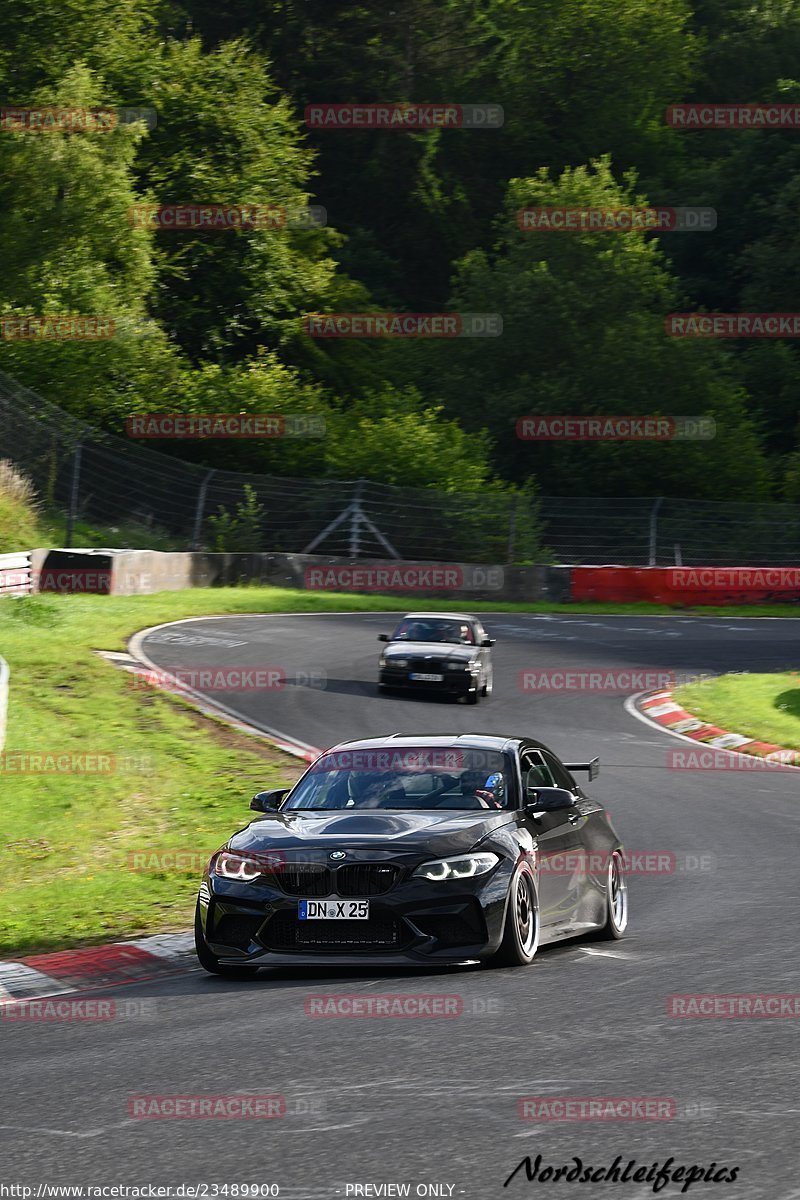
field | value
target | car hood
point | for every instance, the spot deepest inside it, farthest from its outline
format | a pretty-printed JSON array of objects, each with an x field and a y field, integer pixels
[
  {"x": 347, "y": 829},
  {"x": 447, "y": 650}
]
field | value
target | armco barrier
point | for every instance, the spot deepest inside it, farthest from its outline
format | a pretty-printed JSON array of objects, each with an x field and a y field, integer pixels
[
  {"x": 686, "y": 586},
  {"x": 4, "y": 677},
  {"x": 15, "y": 574}
]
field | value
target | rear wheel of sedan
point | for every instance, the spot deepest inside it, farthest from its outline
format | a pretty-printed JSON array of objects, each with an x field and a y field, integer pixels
[
  {"x": 521, "y": 932},
  {"x": 209, "y": 962},
  {"x": 616, "y": 899}
]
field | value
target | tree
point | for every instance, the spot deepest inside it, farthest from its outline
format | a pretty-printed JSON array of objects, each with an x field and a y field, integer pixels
[
  {"x": 67, "y": 248},
  {"x": 583, "y": 333}
]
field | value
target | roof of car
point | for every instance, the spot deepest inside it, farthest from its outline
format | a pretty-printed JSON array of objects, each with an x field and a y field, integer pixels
[
  {"x": 447, "y": 616},
  {"x": 474, "y": 741}
]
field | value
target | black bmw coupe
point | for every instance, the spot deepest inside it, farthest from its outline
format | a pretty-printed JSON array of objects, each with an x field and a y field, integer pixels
[{"x": 442, "y": 849}]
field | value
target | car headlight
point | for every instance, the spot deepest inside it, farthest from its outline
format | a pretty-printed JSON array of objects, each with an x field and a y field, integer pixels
[
  {"x": 398, "y": 662},
  {"x": 382, "y": 661},
  {"x": 244, "y": 868},
  {"x": 466, "y": 866}
]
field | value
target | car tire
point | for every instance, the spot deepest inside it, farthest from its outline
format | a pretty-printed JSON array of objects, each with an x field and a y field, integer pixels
[
  {"x": 616, "y": 900},
  {"x": 209, "y": 962},
  {"x": 473, "y": 697},
  {"x": 521, "y": 929}
]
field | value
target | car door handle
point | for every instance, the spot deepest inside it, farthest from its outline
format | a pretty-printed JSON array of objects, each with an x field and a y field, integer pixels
[{"x": 573, "y": 818}]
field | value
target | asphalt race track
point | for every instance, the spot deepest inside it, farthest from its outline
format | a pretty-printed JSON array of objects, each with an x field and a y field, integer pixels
[{"x": 434, "y": 1101}]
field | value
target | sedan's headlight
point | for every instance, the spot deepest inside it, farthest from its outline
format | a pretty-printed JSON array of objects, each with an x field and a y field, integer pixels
[
  {"x": 397, "y": 662},
  {"x": 244, "y": 868},
  {"x": 466, "y": 866},
  {"x": 459, "y": 666}
]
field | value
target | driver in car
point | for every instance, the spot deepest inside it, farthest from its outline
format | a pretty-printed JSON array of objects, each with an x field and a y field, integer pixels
[{"x": 367, "y": 789}]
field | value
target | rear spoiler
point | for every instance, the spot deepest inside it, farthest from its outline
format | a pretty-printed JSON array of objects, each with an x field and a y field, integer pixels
[{"x": 592, "y": 767}]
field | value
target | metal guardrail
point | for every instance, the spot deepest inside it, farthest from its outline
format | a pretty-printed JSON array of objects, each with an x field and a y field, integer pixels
[{"x": 16, "y": 574}]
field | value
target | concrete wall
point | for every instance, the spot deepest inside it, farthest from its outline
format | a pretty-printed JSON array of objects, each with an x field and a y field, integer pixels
[{"x": 142, "y": 572}]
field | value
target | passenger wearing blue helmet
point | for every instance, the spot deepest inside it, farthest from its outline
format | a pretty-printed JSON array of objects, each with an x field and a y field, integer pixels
[{"x": 493, "y": 791}]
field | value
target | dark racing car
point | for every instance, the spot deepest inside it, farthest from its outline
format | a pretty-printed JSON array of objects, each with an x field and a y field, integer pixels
[
  {"x": 415, "y": 849},
  {"x": 438, "y": 652}
]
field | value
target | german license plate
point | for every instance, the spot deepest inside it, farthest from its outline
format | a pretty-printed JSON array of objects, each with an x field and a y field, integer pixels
[
  {"x": 428, "y": 678},
  {"x": 333, "y": 910}
]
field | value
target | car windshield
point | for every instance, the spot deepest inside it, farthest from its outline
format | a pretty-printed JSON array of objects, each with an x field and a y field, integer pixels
[
  {"x": 407, "y": 778},
  {"x": 427, "y": 629}
]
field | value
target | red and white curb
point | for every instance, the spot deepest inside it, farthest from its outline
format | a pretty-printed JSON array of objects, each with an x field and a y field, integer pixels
[
  {"x": 39, "y": 976},
  {"x": 659, "y": 708}
]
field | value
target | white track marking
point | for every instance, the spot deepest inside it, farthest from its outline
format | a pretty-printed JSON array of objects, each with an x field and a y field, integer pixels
[{"x": 214, "y": 707}]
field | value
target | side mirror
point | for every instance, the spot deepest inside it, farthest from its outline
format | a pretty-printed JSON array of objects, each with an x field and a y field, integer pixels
[
  {"x": 549, "y": 799},
  {"x": 488, "y": 641},
  {"x": 267, "y": 802},
  {"x": 384, "y": 637}
]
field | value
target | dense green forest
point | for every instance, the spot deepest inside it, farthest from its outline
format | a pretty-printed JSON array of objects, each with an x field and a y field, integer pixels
[{"x": 417, "y": 221}]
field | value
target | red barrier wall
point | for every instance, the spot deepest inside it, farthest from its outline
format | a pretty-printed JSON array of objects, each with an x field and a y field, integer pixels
[{"x": 687, "y": 585}]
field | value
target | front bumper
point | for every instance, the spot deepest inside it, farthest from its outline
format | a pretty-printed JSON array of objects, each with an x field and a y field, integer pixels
[
  {"x": 459, "y": 683},
  {"x": 416, "y": 921}
]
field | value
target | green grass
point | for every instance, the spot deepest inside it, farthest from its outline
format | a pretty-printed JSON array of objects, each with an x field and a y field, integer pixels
[
  {"x": 65, "y": 854},
  {"x": 763, "y": 707}
]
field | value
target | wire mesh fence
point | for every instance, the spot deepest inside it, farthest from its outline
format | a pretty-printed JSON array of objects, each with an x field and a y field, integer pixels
[{"x": 93, "y": 475}]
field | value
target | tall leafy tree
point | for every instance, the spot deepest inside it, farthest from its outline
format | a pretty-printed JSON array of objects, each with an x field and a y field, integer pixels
[{"x": 583, "y": 333}]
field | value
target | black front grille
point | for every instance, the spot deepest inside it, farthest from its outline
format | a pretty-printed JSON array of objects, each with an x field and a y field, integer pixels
[
  {"x": 236, "y": 929},
  {"x": 309, "y": 880},
  {"x": 426, "y": 666},
  {"x": 365, "y": 879},
  {"x": 306, "y": 880},
  {"x": 285, "y": 932}
]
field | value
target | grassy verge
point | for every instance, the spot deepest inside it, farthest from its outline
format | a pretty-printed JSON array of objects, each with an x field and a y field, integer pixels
[
  {"x": 66, "y": 857},
  {"x": 763, "y": 707}
]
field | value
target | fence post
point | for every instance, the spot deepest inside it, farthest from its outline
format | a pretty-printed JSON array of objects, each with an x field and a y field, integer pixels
[
  {"x": 654, "y": 529},
  {"x": 73, "y": 491},
  {"x": 201, "y": 503},
  {"x": 355, "y": 520},
  {"x": 512, "y": 529}
]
